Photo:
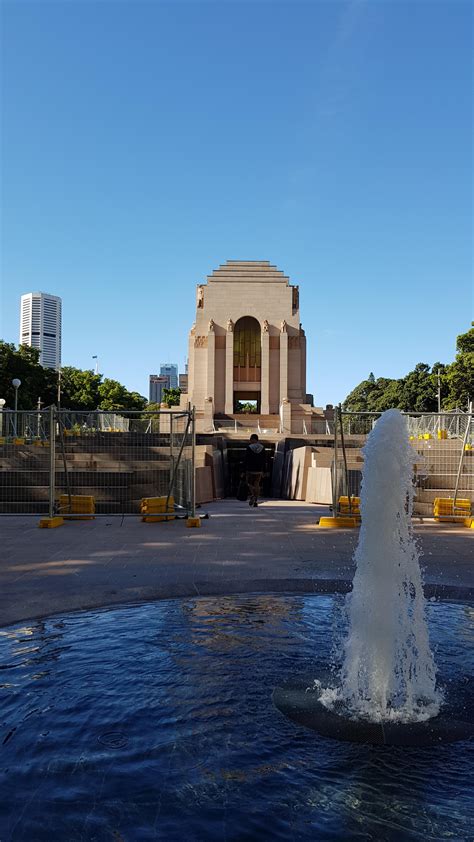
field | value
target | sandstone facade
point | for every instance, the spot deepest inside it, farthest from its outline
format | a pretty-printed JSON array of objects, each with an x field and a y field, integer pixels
[{"x": 247, "y": 342}]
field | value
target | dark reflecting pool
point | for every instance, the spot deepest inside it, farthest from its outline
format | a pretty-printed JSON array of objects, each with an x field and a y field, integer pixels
[{"x": 156, "y": 722}]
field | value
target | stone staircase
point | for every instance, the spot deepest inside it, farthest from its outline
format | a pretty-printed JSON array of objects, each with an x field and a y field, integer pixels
[{"x": 117, "y": 469}]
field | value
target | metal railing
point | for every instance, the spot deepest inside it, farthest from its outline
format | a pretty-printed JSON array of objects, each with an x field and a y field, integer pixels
[{"x": 117, "y": 458}]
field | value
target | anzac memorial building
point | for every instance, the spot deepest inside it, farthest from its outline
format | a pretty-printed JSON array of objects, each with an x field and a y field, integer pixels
[{"x": 247, "y": 344}]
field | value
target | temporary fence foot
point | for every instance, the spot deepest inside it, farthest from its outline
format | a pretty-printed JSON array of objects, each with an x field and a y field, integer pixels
[
  {"x": 193, "y": 522},
  {"x": 338, "y": 522},
  {"x": 51, "y": 522}
]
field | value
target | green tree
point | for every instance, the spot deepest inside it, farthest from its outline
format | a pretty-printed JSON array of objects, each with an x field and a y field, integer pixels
[
  {"x": 418, "y": 392},
  {"x": 359, "y": 399},
  {"x": 459, "y": 376},
  {"x": 171, "y": 397},
  {"x": 36, "y": 381},
  {"x": 387, "y": 396},
  {"x": 465, "y": 342},
  {"x": 114, "y": 396},
  {"x": 79, "y": 389}
]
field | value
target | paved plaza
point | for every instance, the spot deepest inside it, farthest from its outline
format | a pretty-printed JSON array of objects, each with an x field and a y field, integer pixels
[{"x": 277, "y": 548}]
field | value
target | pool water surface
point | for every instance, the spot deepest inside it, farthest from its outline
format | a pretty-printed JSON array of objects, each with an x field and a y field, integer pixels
[{"x": 156, "y": 722}]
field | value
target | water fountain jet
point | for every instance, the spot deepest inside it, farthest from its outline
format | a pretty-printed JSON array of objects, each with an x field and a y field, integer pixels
[{"x": 385, "y": 691}]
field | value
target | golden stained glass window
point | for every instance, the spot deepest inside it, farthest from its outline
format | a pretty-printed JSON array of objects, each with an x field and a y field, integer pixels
[{"x": 247, "y": 343}]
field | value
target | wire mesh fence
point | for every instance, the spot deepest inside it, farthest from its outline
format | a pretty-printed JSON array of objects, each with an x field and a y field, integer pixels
[
  {"x": 50, "y": 456},
  {"x": 443, "y": 461}
]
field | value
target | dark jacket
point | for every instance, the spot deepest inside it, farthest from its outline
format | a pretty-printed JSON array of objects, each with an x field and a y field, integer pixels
[{"x": 255, "y": 458}]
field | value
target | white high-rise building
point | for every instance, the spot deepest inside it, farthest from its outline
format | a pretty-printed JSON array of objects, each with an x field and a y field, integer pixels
[{"x": 40, "y": 326}]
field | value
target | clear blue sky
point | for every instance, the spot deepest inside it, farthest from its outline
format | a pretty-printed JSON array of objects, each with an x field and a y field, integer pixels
[{"x": 144, "y": 143}]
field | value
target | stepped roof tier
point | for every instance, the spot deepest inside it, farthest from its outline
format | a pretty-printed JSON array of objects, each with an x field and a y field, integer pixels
[{"x": 257, "y": 271}]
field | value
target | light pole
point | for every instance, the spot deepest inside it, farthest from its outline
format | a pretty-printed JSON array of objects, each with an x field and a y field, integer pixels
[
  {"x": 95, "y": 357},
  {"x": 2, "y": 404},
  {"x": 38, "y": 418},
  {"x": 16, "y": 383}
]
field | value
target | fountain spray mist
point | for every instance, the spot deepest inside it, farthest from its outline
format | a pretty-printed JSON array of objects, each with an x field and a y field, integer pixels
[{"x": 388, "y": 672}]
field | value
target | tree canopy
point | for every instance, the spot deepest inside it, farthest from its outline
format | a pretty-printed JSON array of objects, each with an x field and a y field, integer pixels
[
  {"x": 80, "y": 390},
  {"x": 418, "y": 390},
  {"x": 171, "y": 396}
]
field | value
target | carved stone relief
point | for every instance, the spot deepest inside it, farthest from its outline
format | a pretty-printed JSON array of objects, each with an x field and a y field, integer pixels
[
  {"x": 296, "y": 297},
  {"x": 293, "y": 342}
]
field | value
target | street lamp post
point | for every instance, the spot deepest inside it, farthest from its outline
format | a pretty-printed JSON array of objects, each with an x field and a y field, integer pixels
[
  {"x": 38, "y": 418},
  {"x": 2, "y": 404},
  {"x": 95, "y": 357},
  {"x": 16, "y": 383}
]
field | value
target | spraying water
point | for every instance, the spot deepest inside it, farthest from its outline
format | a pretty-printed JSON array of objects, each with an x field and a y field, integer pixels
[{"x": 388, "y": 672}]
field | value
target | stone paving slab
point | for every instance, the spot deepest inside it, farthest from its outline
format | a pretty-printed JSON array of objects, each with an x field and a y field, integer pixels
[{"x": 277, "y": 547}]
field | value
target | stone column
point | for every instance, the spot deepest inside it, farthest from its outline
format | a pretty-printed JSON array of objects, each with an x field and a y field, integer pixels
[
  {"x": 303, "y": 365},
  {"x": 229, "y": 369},
  {"x": 285, "y": 416},
  {"x": 283, "y": 366},
  {"x": 211, "y": 364},
  {"x": 265, "y": 375},
  {"x": 191, "y": 365}
]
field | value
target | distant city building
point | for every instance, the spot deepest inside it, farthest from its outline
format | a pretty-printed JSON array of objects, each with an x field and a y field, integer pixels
[
  {"x": 40, "y": 326},
  {"x": 170, "y": 370},
  {"x": 158, "y": 382}
]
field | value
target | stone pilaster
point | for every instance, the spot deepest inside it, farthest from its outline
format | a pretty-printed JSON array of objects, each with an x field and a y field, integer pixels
[
  {"x": 191, "y": 366},
  {"x": 211, "y": 364},
  {"x": 285, "y": 417},
  {"x": 303, "y": 365},
  {"x": 229, "y": 372},
  {"x": 265, "y": 376},
  {"x": 283, "y": 366}
]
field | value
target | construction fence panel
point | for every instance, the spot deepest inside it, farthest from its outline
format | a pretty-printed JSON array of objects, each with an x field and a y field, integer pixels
[
  {"x": 443, "y": 459},
  {"x": 25, "y": 462},
  {"x": 62, "y": 459}
]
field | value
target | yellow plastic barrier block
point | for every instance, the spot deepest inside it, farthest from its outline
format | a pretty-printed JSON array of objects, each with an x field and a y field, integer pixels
[
  {"x": 18, "y": 441},
  {"x": 51, "y": 522},
  {"x": 157, "y": 503},
  {"x": 442, "y": 434},
  {"x": 468, "y": 447},
  {"x": 2, "y": 439},
  {"x": 469, "y": 522},
  {"x": 344, "y": 501},
  {"x": 427, "y": 436},
  {"x": 338, "y": 522},
  {"x": 193, "y": 522},
  {"x": 81, "y": 504},
  {"x": 451, "y": 511}
]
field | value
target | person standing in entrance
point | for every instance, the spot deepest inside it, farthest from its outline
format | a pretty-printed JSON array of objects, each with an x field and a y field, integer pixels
[{"x": 254, "y": 467}]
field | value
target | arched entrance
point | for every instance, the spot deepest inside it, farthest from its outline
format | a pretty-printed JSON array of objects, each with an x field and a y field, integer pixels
[{"x": 247, "y": 363}]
